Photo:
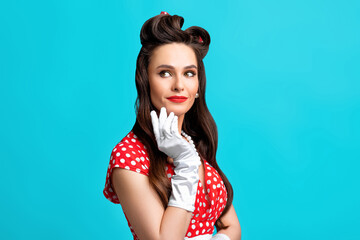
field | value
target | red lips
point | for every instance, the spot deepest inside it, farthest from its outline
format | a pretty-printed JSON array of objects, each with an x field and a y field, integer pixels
[{"x": 177, "y": 99}]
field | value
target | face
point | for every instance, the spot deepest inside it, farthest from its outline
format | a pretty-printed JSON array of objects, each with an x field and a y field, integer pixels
[{"x": 172, "y": 74}]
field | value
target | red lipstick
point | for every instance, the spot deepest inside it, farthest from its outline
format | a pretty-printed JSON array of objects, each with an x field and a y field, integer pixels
[{"x": 177, "y": 99}]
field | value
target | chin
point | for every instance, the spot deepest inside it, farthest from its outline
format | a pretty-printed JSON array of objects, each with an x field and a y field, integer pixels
[{"x": 178, "y": 109}]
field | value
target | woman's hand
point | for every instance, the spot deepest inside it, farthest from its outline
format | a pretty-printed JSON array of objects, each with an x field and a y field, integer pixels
[{"x": 168, "y": 137}]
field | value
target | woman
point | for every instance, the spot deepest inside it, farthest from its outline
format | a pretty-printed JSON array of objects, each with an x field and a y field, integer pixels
[{"x": 174, "y": 189}]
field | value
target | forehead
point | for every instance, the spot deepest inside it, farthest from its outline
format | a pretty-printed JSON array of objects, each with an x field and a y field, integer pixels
[{"x": 176, "y": 54}]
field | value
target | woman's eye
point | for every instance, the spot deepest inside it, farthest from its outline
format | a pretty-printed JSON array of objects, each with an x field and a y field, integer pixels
[
  {"x": 192, "y": 74},
  {"x": 163, "y": 72}
]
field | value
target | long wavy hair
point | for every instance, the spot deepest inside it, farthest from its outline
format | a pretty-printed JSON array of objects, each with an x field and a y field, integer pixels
[{"x": 198, "y": 122}]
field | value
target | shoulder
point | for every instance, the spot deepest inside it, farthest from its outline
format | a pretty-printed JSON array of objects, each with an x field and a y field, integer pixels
[{"x": 130, "y": 153}]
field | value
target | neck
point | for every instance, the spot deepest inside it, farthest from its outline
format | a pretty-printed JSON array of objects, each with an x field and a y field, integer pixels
[{"x": 180, "y": 122}]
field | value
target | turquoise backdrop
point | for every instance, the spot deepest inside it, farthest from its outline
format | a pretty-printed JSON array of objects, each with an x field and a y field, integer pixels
[{"x": 283, "y": 87}]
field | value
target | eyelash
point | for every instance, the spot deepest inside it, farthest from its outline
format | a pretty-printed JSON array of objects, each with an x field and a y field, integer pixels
[{"x": 193, "y": 73}]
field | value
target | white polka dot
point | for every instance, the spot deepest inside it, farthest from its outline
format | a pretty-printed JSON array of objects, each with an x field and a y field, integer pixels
[
  {"x": 114, "y": 149},
  {"x": 130, "y": 146},
  {"x": 127, "y": 155},
  {"x": 207, "y": 224},
  {"x": 169, "y": 175},
  {"x": 110, "y": 190},
  {"x": 200, "y": 224},
  {"x": 122, "y": 160},
  {"x": 203, "y": 230},
  {"x": 208, "y": 182},
  {"x": 193, "y": 221},
  {"x": 215, "y": 179},
  {"x": 209, "y": 174},
  {"x": 189, "y": 234},
  {"x": 133, "y": 140},
  {"x": 196, "y": 215},
  {"x": 138, "y": 159},
  {"x": 137, "y": 170},
  {"x": 135, "y": 136},
  {"x": 197, "y": 232},
  {"x": 111, "y": 157},
  {"x": 142, "y": 158},
  {"x": 193, "y": 226},
  {"x": 200, "y": 204},
  {"x": 124, "y": 149},
  {"x": 127, "y": 167},
  {"x": 214, "y": 186},
  {"x": 116, "y": 165},
  {"x": 208, "y": 168},
  {"x": 133, "y": 163},
  {"x": 114, "y": 161},
  {"x": 204, "y": 215},
  {"x": 117, "y": 154},
  {"x": 218, "y": 185},
  {"x": 220, "y": 192},
  {"x": 133, "y": 152}
]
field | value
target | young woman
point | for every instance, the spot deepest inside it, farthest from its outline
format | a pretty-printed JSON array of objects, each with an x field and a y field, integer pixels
[{"x": 164, "y": 171}]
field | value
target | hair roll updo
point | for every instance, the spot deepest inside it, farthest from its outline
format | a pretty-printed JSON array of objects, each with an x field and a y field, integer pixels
[{"x": 198, "y": 122}]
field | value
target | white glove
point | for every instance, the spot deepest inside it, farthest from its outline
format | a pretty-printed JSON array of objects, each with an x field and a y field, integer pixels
[
  {"x": 186, "y": 159},
  {"x": 220, "y": 236}
]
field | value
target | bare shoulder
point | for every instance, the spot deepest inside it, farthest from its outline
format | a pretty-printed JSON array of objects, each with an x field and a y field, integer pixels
[{"x": 139, "y": 201}]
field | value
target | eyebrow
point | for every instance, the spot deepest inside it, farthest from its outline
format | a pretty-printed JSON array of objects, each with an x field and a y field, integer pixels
[{"x": 172, "y": 67}]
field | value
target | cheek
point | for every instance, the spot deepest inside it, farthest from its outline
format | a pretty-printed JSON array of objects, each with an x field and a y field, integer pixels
[
  {"x": 156, "y": 90},
  {"x": 194, "y": 88}
]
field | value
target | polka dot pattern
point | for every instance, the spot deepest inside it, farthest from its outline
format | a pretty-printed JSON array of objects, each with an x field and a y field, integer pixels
[{"x": 211, "y": 197}]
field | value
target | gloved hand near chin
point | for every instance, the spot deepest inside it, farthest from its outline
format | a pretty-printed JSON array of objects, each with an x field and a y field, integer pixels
[{"x": 186, "y": 159}]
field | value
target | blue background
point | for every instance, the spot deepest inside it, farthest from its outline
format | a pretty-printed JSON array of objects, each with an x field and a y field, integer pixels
[{"x": 283, "y": 87}]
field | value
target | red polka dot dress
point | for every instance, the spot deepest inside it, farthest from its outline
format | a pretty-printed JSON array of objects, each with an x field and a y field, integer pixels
[{"x": 211, "y": 195}]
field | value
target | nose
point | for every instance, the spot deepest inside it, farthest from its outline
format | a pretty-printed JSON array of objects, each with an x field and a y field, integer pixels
[{"x": 178, "y": 85}]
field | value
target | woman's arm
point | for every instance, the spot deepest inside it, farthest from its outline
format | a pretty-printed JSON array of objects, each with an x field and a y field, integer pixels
[
  {"x": 144, "y": 209},
  {"x": 230, "y": 219}
]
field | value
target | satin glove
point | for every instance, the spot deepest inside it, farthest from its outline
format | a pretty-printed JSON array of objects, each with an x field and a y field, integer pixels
[
  {"x": 186, "y": 159},
  {"x": 220, "y": 236}
]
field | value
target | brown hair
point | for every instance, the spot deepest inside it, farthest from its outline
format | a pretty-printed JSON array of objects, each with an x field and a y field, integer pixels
[{"x": 198, "y": 122}]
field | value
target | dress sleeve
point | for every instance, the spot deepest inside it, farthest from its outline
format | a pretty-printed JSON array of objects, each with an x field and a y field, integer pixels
[{"x": 128, "y": 154}]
